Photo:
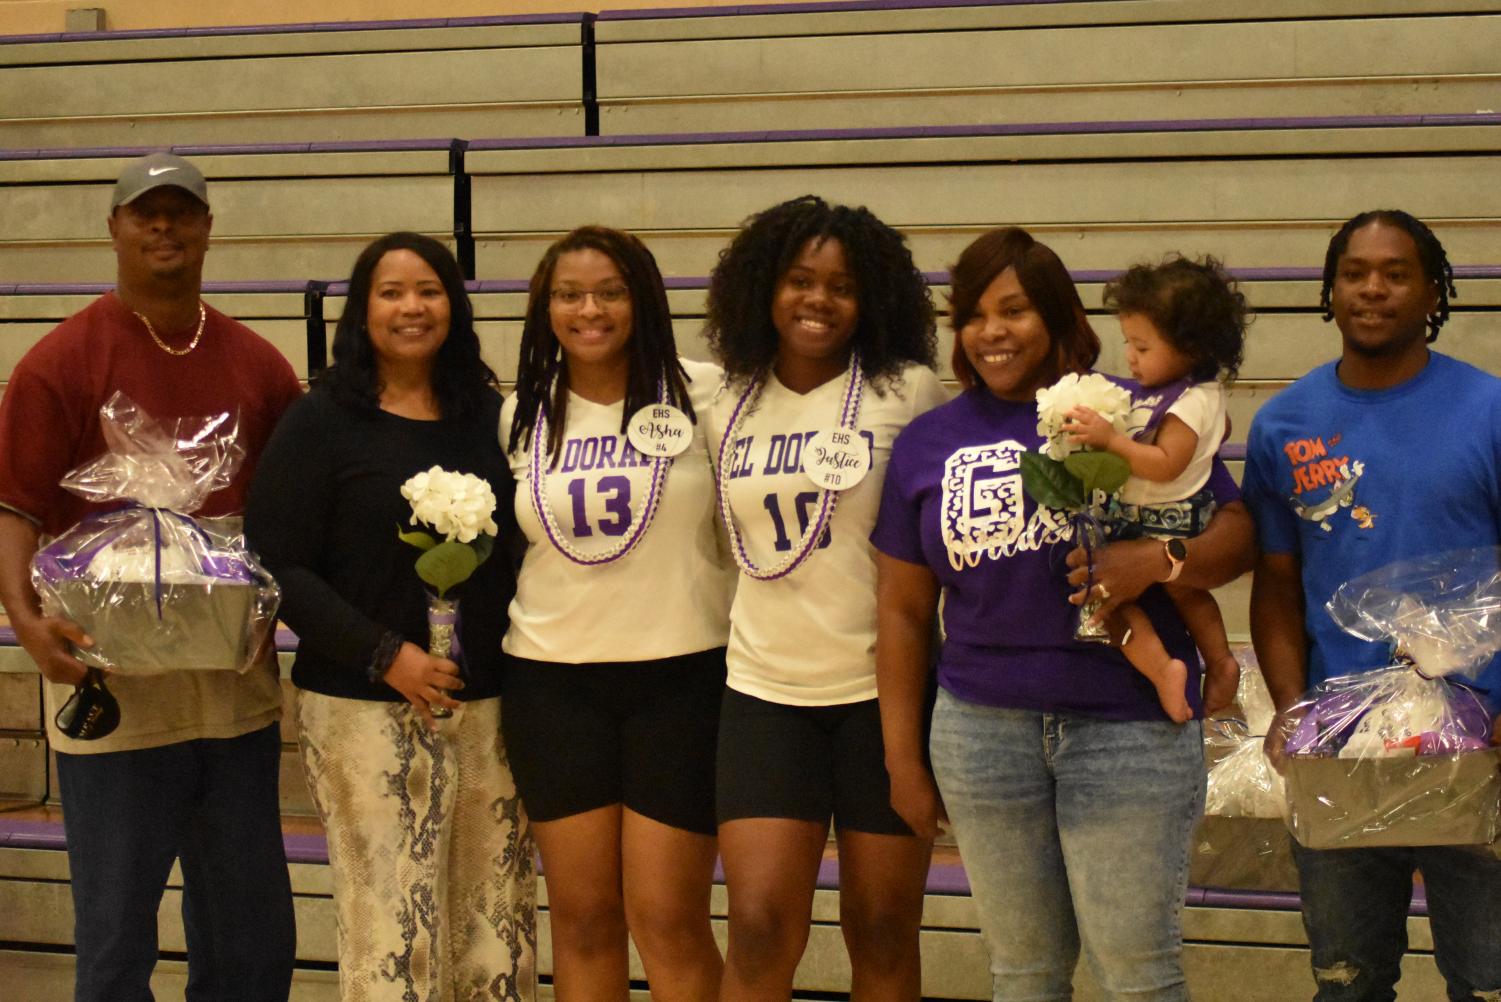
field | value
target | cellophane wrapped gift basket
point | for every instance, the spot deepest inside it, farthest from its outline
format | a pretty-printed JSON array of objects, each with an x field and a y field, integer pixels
[
  {"x": 1401, "y": 755},
  {"x": 1241, "y": 842},
  {"x": 1242, "y": 782},
  {"x": 157, "y": 589}
]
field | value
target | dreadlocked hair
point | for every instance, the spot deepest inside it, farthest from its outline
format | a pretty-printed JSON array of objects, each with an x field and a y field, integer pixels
[
  {"x": 542, "y": 372},
  {"x": 1436, "y": 266},
  {"x": 895, "y": 322},
  {"x": 1196, "y": 307}
]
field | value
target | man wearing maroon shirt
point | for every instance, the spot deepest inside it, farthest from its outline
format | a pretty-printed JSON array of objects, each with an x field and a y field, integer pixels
[{"x": 191, "y": 771}]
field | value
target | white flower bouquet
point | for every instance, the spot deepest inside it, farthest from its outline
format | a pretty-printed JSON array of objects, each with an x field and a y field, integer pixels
[
  {"x": 1066, "y": 476},
  {"x": 1054, "y": 404},
  {"x": 461, "y": 507}
]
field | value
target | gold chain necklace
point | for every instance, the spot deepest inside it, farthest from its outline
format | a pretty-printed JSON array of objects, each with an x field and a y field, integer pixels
[{"x": 164, "y": 346}]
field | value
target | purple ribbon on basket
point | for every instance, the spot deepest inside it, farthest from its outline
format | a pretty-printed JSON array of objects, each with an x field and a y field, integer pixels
[
  {"x": 57, "y": 561},
  {"x": 1333, "y": 717}
]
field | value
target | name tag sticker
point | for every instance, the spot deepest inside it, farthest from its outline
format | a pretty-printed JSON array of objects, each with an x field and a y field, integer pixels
[
  {"x": 660, "y": 430},
  {"x": 836, "y": 459}
]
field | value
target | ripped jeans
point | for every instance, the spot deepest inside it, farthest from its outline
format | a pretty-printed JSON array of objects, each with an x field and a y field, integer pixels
[{"x": 1355, "y": 905}]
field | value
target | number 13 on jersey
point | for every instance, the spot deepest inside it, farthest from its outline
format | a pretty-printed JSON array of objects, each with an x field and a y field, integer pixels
[{"x": 616, "y": 492}]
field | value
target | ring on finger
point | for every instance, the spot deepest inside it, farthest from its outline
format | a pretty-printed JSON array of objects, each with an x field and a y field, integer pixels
[{"x": 1104, "y": 592}]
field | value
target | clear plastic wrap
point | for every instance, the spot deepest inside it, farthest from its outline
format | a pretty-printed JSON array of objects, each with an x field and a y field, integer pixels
[
  {"x": 156, "y": 589},
  {"x": 1401, "y": 755},
  {"x": 1242, "y": 782},
  {"x": 1241, "y": 842}
]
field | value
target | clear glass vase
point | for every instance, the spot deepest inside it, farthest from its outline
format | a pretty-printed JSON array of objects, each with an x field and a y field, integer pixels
[
  {"x": 443, "y": 636},
  {"x": 1089, "y": 532}
]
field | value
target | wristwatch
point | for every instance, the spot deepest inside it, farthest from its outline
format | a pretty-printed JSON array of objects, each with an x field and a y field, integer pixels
[{"x": 1176, "y": 553}]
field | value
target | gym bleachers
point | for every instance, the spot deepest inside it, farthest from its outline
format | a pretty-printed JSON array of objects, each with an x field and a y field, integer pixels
[
  {"x": 1244, "y": 940},
  {"x": 518, "y": 75},
  {"x": 894, "y": 63},
  {"x": 281, "y": 211},
  {"x": 1115, "y": 130},
  {"x": 1258, "y": 192}
]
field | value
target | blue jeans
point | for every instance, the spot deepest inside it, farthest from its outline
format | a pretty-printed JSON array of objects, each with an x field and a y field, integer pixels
[
  {"x": 1073, "y": 828},
  {"x": 212, "y": 803},
  {"x": 1355, "y": 910}
]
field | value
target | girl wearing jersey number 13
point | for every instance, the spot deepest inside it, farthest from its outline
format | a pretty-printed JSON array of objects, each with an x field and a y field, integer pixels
[
  {"x": 618, "y": 628},
  {"x": 825, "y": 330}
]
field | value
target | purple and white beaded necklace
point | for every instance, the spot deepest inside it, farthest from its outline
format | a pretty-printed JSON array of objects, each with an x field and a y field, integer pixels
[
  {"x": 849, "y": 418},
  {"x": 640, "y": 519}
]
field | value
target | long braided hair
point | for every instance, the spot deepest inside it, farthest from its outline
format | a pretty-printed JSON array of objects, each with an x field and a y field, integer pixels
[{"x": 542, "y": 372}]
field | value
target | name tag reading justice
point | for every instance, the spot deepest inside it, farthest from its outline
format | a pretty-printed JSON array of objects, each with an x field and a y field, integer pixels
[
  {"x": 836, "y": 459},
  {"x": 659, "y": 430}
]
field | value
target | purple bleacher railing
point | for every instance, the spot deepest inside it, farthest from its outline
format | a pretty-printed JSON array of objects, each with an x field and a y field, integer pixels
[
  {"x": 286, "y": 640},
  {"x": 99, "y": 288},
  {"x": 1324, "y": 122},
  {"x": 1087, "y": 276},
  {"x": 1283, "y": 123},
  {"x": 310, "y": 27},
  {"x": 943, "y": 878},
  {"x": 822, "y": 6},
  {"x": 227, "y": 149},
  {"x": 648, "y": 13}
]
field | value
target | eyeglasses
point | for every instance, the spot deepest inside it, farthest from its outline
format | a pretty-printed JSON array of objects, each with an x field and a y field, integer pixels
[{"x": 610, "y": 295}]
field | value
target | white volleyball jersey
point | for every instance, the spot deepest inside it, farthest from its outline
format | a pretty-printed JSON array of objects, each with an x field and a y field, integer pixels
[
  {"x": 670, "y": 595},
  {"x": 809, "y": 638}
]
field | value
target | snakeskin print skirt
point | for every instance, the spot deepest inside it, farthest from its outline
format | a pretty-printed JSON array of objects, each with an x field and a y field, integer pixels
[{"x": 433, "y": 874}]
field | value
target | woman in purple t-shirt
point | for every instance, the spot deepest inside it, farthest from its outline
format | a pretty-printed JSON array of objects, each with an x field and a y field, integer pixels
[{"x": 1072, "y": 795}]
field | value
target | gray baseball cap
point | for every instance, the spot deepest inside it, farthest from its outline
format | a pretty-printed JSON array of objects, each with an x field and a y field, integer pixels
[{"x": 156, "y": 171}]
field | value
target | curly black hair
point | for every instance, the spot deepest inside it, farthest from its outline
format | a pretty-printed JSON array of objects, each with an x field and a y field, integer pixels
[
  {"x": 1431, "y": 254},
  {"x": 895, "y": 323},
  {"x": 462, "y": 382},
  {"x": 542, "y": 372},
  {"x": 1195, "y": 305}
]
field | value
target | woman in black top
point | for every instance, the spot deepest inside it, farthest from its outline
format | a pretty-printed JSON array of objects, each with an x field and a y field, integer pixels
[{"x": 431, "y": 858}]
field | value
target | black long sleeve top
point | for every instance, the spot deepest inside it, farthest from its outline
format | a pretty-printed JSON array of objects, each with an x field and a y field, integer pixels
[{"x": 323, "y": 514}]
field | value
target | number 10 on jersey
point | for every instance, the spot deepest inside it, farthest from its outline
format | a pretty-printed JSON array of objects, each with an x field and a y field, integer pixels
[{"x": 802, "y": 505}]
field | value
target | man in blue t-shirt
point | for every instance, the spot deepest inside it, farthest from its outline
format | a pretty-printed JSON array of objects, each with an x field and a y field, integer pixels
[{"x": 1392, "y": 452}]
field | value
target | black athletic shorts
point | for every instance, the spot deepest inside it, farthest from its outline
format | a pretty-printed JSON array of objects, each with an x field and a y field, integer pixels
[
  {"x": 637, "y": 733},
  {"x": 810, "y": 763}
]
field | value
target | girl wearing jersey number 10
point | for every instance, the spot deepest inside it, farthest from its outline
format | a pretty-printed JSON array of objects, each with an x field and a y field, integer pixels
[
  {"x": 825, "y": 330},
  {"x": 618, "y": 627}
]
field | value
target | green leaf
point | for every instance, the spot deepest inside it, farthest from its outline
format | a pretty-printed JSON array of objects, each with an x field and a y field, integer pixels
[
  {"x": 1049, "y": 483},
  {"x": 417, "y": 538},
  {"x": 483, "y": 546},
  {"x": 1098, "y": 471},
  {"x": 447, "y": 564}
]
